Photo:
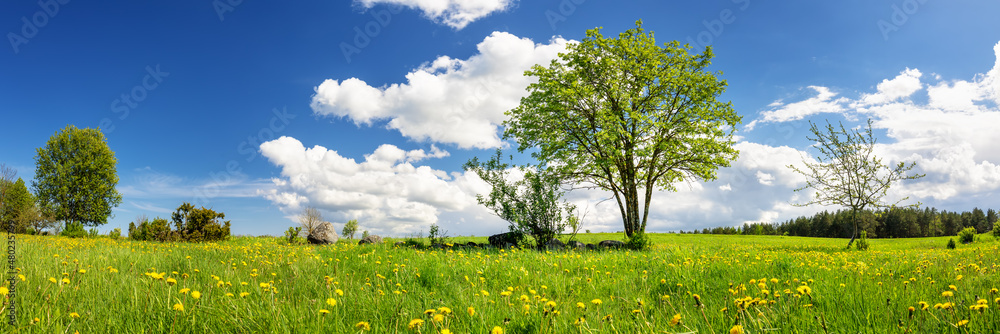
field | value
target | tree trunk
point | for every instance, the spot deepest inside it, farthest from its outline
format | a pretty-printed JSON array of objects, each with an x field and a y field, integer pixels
[{"x": 854, "y": 218}]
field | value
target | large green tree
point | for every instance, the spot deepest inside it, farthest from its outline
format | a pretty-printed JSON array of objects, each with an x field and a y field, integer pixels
[
  {"x": 629, "y": 116},
  {"x": 75, "y": 177},
  {"x": 848, "y": 173}
]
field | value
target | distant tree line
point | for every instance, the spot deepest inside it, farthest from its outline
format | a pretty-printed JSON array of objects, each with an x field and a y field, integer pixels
[{"x": 888, "y": 223}]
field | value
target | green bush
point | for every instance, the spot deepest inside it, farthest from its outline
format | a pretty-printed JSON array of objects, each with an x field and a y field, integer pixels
[
  {"x": 996, "y": 229},
  {"x": 292, "y": 235},
  {"x": 115, "y": 233},
  {"x": 967, "y": 235},
  {"x": 436, "y": 236},
  {"x": 74, "y": 230},
  {"x": 862, "y": 242},
  {"x": 638, "y": 241},
  {"x": 951, "y": 243}
]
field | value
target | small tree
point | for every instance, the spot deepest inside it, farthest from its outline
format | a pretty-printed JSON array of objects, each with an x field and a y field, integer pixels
[
  {"x": 350, "y": 228},
  {"x": 7, "y": 175},
  {"x": 292, "y": 235},
  {"x": 310, "y": 219},
  {"x": 16, "y": 204},
  {"x": 436, "y": 235},
  {"x": 531, "y": 205},
  {"x": 848, "y": 173}
]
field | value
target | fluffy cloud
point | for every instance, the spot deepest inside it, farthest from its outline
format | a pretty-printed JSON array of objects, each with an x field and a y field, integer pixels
[
  {"x": 448, "y": 100},
  {"x": 904, "y": 85},
  {"x": 823, "y": 102},
  {"x": 453, "y": 13},
  {"x": 952, "y": 137},
  {"x": 386, "y": 191}
]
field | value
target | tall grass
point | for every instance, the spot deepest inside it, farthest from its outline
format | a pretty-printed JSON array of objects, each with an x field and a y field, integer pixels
[{"x": 262, "y": 285}]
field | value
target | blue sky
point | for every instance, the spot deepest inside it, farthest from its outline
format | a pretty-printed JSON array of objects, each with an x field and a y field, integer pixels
[{"x": 256, "y": 109}]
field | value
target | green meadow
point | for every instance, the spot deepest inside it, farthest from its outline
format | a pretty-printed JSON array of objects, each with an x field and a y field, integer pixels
[{"x": 683, "y": 284}]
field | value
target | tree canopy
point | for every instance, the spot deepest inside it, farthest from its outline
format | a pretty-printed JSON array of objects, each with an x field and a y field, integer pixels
[
  {"x": 75, "y": 177},
  {"x": 626, "y": 115}
]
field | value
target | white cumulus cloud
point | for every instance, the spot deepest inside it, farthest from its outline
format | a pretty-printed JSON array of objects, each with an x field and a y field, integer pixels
[
  {"x": 447, "y": 100},
  {"x": 453, "y": 13},
  {"x": 903, "y": 85},
  {"x": 825, "y": 101},
  {"x": 386, "y": 192}
]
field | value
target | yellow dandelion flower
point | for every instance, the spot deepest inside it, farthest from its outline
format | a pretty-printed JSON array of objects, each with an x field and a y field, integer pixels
[
  {"x": 331, "y": 302},
  {"x": 65, "y": 281},
  {"x": 430, "y": 311},
  {"x": 364, "y": 326},
  {"x": 415, "y": 324},
  {"x": 923, "y": 305},
  {"x": 471, "y": 310},
  {"x": 737, "y": 329},
  {"x": 324, "y": 311},
  {"x": 962, "y": 322},
  {"x": 230, "y": 294},
  {"x": 171, "y": 281},
  {"x": 82, "y": 271},
  {"x": 446, "y": 331},
  {"x": 676, "y": 320},
  {"x": 179, "y": 307},
  {"x": 444, "y": 310},
  {"x": 953, "y": 287},
  {"x": 947, "y": 294},
  {"x": 339, "y": 292},
  {"x": 804, "y": 290},
  {"x": 3, "y": 290},
  {"x": 244, "y": 294},
  {"x": 496, "y": 330},
  {"x": 596, "y": 301},
  {"x": 550, "y": 304},
  {"x": 438, "y": 318},
  {"x": 663, "y": 281},
  {"x": 74, "y": 315}
]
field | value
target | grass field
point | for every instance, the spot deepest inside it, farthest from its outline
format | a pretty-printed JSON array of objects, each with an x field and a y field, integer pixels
[{"x": 685, "y": 284}]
